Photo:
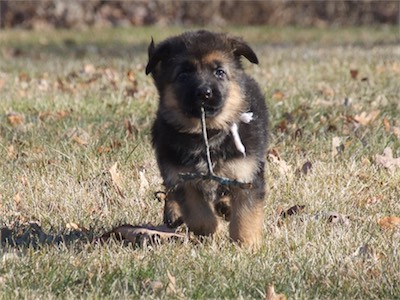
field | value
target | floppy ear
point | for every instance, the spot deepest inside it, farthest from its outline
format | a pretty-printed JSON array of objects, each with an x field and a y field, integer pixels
[
  {"x": 156, "y": 54},
  {"x": 240, "y": 48}
]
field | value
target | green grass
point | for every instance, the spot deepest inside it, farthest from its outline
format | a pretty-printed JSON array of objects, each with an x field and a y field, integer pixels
[{"x": 54, "y": 167}]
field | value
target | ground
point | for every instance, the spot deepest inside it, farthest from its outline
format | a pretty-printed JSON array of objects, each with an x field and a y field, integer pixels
[{"x": 75, "y": 103}]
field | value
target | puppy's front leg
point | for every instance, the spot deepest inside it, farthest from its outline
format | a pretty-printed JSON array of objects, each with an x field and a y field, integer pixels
[
  {"x": 247, "y": 218},
  {"x": 198, "y": 212}
]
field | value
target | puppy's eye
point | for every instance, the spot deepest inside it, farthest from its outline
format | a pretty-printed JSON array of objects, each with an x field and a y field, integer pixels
[
  {"x": 220, "y": 73},
  {"x": 182, "y": 76}
]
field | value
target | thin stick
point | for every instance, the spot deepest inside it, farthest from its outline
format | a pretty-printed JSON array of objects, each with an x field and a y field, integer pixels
[
  {"x": 205, "y": 138},
  {"x": 210, "y": 175}
]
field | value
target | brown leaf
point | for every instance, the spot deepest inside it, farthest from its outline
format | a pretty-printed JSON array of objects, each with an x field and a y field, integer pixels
[
  {"x": 367, "y": 118},
  {"x": 336, "y": 218},
  {"x": 79, "y": 136},
  {"x": 354, "y": 73},
  {"x": 160, "y": 196},
  {"x": 337, "y": 146},
  {"x": 116, "y": 179},
  {"x": 386, "y": 160},
  {"x": 389, "y": 222},
  {"x": 294, "y": 210},
  {"x": 271, "y": 295},
  {"x": 142, "y": 234},
  {"x": 15, "y": 119},
  {"x": 278, "y": 95},
  {"x": 386, "y": 123},
  {"x": 283, "y": 167}
]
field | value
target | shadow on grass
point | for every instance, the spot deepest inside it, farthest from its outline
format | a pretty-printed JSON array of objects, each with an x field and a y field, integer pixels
[{"x": 32, "y": 235}]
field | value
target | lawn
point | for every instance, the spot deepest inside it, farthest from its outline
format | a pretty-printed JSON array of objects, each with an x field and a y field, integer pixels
[{"x": 75, "y": 103}]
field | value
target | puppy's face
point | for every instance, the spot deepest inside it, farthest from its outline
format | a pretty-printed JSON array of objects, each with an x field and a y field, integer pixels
[{"x": 199, "y": 69}]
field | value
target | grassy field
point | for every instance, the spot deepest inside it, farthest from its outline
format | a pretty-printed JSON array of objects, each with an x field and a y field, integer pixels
[{"x": 72, "y": 104}]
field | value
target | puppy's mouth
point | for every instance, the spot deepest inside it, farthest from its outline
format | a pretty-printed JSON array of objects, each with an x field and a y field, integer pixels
[{"x": 211, "y": 110}]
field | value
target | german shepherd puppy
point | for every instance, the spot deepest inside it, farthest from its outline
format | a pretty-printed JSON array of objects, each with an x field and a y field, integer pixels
[{"x": 203, "y": 69}]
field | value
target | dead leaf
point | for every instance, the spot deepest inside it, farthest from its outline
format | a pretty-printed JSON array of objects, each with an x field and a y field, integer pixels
[
  {"x": 160, "y": 196},
  {"x": 278, "y": 95},
  {"x": 155, "y": 286},
  {"x": 389, "y": 222},
  {"x": 337, "y": 146},
  {"x": 396, "y": 131},
  {"x": 283, "y": 167},
  {"x": 354, "y": 73},
  {"x": 386, "y": 123},
  {"x": 11, "y": 152},
  {"x": 142, "y": 234},
  {"x": 336, "y": 218},
  {"x": 367, "y": 118},
  {"x": 79, "y": 136},
  {"x": 144, "y": 184},
  {"x": 283, "y": 214},
  {"x": 15, "y": 119},
  {"x": 116, "y": 179},
  {"x": 171, "y": 287},
  {"x": 294, "y": 210},
  {"x": 387, "y": 160},
  {"x": 271, "y": 295},
  {"x": 326, "y": 90}
]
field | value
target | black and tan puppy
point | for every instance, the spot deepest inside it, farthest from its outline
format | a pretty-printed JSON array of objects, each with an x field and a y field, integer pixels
[{"x": 198, "y": 69}]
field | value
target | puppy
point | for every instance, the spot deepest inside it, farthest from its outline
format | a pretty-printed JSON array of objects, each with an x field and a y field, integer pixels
[{"x": 203, "y": 69}]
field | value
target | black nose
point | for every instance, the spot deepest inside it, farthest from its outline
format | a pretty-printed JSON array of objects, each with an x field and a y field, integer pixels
[{"x": 204, "y": 93}]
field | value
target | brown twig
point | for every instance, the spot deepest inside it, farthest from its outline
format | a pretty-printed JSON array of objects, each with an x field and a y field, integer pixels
[{"x": 210, "y": 175}]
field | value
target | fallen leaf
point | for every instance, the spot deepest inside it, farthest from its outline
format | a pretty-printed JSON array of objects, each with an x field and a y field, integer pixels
[
  {"x": 155, "y": 286},
  {"x": 294, "y": 210},
  {"x": 79, "y": 136},
  {"x": 367, "y": 118},
  {"x": 15, "y": 119},
  {"x": 389, "y": 222},
  {"x": 160, "y": 196},
  {"x": 354, "y": 73},
  {"x": 336, "y": 218},
  {"x": 337, "y": 146},
  {"x": 387, "y": 160},
  {"x": 283, "y": 214},
  {"x": 278, "y": 95},
  {"x": 386, "y": 123},
  {"x": 283, "y": 167},
  {"x": 171, "y": 287},
  {"x": 396, "y": 131},
  {"x": 116, "y": 179},
  {"x": 271, "y": 295},
  {"x": 144, "y": 184},
  {"x": 142, "y": 234}
]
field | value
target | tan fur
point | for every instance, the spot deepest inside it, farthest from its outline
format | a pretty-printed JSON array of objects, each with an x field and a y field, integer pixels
[
  {"x": 241, "y": 169},
  {"x": 198, "y": 213},
  {"x": 212, "y": 57},
  {"x": 233, "y": 108},
  {"x": 246, "y": 219}
]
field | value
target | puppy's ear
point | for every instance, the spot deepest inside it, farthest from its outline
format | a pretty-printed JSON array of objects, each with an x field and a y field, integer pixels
[
  {"x": 156, "y": 54},
  {"x": 240, "y": 48}
]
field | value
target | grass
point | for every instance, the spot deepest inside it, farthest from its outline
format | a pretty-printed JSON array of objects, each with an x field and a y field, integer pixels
[{"x": 69, "y": 112}]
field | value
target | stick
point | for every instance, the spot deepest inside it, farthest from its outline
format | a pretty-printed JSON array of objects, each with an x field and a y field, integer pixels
[{"x": 210, "y": 175}]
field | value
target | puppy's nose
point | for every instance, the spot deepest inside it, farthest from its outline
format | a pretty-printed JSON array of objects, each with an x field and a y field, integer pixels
[{"x": 204, "y": 93}]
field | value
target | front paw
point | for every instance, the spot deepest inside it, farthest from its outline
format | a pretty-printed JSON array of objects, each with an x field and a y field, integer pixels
[{"x": 172, "y": 214}]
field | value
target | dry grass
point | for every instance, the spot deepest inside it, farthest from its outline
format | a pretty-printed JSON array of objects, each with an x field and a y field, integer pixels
[{"x": 69, "y": 112}]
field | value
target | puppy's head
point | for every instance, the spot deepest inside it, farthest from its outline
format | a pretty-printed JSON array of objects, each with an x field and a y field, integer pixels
[{"x": 199, "y": 69}]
